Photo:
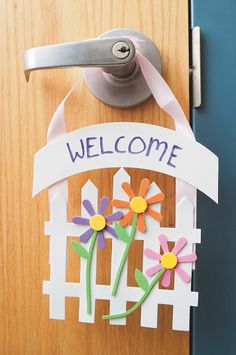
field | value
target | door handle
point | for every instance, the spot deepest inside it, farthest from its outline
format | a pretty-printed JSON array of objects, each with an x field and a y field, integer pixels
[
  {"x": 112, "y": 73},
  {"x": 114, "y": 55}
]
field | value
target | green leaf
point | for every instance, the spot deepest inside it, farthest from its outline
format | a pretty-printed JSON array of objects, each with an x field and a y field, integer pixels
[
  {"x": 141, "y": 280},
  {"x": 122, "y": 233},
  {"x": 79, "y": 249}
]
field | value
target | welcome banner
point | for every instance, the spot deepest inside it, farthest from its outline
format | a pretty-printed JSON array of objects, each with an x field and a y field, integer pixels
[{"x": 125, "y": 144}]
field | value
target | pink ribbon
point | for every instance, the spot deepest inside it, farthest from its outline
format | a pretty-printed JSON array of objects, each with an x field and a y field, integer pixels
[
  {"x": 57, "y": 128},
  {"x": 164, "y": 98}
]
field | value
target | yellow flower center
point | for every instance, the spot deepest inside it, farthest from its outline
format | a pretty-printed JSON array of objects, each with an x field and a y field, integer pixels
[
  {"x": 97, "y": 222},
  {"x": 138, "y": 204},
  {"x": 169, "y": 260}
]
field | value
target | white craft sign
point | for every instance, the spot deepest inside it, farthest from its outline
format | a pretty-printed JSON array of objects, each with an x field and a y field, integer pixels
[
  {"x": 135, "y": 145},
  {"x": 136, "y": 215}
]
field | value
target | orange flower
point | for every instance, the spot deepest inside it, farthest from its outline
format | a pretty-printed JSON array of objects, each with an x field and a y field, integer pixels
[{"x": 138, "y": 205}]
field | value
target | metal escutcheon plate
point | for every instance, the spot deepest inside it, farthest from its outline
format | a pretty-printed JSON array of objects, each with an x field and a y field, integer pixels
[{"x": 129, "y": 91}]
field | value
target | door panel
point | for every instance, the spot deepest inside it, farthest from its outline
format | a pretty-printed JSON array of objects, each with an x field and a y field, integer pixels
[{"x": 26, "y": 111}]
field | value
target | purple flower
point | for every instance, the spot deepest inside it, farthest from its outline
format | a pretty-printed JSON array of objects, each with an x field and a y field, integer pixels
[{"x": 97, "y": 222}]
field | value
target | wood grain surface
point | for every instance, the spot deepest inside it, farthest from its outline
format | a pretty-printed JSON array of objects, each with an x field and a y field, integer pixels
[{"x": 26, "y": 110}]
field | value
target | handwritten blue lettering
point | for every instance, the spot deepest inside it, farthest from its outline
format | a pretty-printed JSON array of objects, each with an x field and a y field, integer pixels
[{"x": 173, "y": 155}]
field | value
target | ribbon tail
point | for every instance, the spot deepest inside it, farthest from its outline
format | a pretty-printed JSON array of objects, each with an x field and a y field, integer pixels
[
  {"x": 164, "y": 96},
  {"x": 57, "y": 128}
]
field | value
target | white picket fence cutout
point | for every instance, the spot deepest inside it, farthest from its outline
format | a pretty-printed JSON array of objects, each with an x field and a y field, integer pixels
[{"x": 181, "y": 297}]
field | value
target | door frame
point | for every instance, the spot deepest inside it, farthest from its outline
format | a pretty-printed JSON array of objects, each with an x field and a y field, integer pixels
[{"x": 213, "y": 322}]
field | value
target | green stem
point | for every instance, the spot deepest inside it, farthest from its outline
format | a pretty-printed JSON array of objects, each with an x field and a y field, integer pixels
[
  {"x": 88, "y": 269},
  {"x": 142, "y": 299},
  {"x": 124, "y": 257}
]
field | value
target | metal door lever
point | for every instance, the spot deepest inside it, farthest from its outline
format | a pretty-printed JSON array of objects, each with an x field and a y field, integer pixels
[
  {"x": 113, "y": 75},
  {"x": 114, "y": 55}
]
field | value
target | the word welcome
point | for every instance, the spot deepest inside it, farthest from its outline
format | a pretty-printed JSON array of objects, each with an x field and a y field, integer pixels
[{"x": 92, "y": 147}]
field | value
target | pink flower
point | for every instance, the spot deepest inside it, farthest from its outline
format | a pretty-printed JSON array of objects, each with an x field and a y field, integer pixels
[{"x": 170, "y": 260}]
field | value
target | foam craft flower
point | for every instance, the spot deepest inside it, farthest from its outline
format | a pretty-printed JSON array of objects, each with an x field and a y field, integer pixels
[
  {"x": 170, "y": 260},
  {"x": 97, "y": 222},
  {"x": 138, "y": 205}
]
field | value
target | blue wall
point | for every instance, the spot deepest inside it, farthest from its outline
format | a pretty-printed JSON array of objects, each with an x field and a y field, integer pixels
[{"x": 214, "y": 321}]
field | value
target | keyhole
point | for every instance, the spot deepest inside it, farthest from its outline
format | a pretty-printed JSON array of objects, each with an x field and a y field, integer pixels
[{"x": 123, "y": 49}]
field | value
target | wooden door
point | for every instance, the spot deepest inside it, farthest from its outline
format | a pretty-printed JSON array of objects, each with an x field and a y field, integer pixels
[{"x": 26, "y": 110}]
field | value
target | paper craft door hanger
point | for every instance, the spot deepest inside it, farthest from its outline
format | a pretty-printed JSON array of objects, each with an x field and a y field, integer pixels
[{"x": 136, "y": 213}]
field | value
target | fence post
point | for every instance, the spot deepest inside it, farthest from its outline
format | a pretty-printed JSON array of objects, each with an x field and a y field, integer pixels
[
  {"x": 185, "y": 222},
  {"x": 58, "y": 253},
  {"x": 149, "y": 310},
  {"x": 88, "y": 192}
]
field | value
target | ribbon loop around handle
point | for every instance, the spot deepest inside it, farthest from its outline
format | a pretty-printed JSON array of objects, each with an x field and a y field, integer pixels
[{"x": 162, "y": 95}]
